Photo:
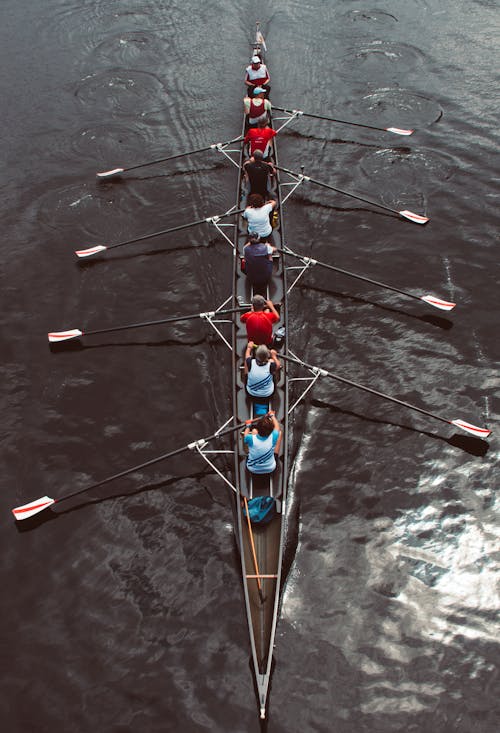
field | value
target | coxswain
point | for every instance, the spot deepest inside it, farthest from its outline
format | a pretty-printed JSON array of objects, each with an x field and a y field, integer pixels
[
  {"x": 257, "y": 108},
  {"x": 257, "y": 172},
  {"x": 257, "y": 75},
  {"x": 259, "y": 321},
  {"x": 260, "y": 138},
  {"x": 258, "y": 262}
]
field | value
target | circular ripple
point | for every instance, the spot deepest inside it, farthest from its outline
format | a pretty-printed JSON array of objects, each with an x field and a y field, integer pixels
[
  {"x": 375, "y": 17},
  {"x": 124, "y": 91},
  {"x": 408, "y": 167},
  {"x": 131, "y": 49},
  {"x": 397, "y": 108},
  {"x": 108, "y": 143},
  {"x": 377, "y": 57}
]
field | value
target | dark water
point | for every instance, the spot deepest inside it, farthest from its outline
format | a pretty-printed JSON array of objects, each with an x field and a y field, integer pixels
[{"x": 127, "y": 614}]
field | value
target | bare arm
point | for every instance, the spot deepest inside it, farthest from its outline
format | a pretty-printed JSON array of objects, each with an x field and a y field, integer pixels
[
  {"x": 248, "y": 354},
  {"x": 276, "y": 426},
  {"x": 271, "y": 307},
  {"x": 274, "y": 357}
]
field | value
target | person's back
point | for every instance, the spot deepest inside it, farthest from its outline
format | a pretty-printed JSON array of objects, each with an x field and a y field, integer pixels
[
  {"x": 258, "y": 172},
  {"x": 263, "y": 444},
  {"x": 258, "y": 262}
]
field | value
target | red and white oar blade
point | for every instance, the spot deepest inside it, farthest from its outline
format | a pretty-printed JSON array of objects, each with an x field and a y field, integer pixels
[
  {"x": 415, "y": 218},
  {"x": 28, "y": 510},
  {"x": 108, "y": 174},
  {"x": 472, "y": 429},
  {"x": 56, "y": 336},
  {"x": 443, "y": 305},
  {"x": 396, "y": 131},
  {"x": 90, "y": 251}
]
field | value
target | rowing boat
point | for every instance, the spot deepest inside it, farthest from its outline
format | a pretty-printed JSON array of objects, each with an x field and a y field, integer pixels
[{"x": 260, "y": 545}]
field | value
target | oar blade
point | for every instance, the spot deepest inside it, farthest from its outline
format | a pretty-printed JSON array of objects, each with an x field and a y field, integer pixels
[
  {"x": 34, "y": 507},
  {"x": 56, "y": 336},
  {"x": 399, "y": 131},
  {"x": 111, "y": 173},
  {"x": 472, "y": 429},
  {"x": 443, "y": 305},
  {"x": 90, "y": 251},
  {"x": 415, "y": 218}
]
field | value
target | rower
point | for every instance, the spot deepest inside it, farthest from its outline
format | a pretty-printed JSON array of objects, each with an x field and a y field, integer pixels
[
  {"x": 263, "y": 442},
  {"x": 258, "y": 263},
  {"x": 259, "y": 321},
  {"x": 257, "y": 215},
  {"x": 260, "y": 369},
  {"x": 257, "y": 75},
  {"x": 260, "y": 138},
  {"x": 257, "y": 172},
  {"x": 257, "y": 107}
]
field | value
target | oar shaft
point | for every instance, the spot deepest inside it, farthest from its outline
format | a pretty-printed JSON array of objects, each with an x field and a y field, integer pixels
[
  {"x": 151, "y": 462},
  {"x": 353, "y": 275},
  {"x": 329, "y": 119},
  {"x": 171, "y": 319},
  {"x": 181, "y": 155},
  {"x": 337, "y": 377},
  {"x": 170, "y": 230},
  {"x": 339, "y": 190}
]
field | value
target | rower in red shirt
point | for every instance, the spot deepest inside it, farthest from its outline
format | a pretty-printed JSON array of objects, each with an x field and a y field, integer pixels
[
  {"x": 260, "y": 138},
  {"x": 259, "y": 321}
]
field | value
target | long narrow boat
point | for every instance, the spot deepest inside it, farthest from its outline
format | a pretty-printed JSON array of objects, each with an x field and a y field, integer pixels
[{"x": 260, "y": 545}]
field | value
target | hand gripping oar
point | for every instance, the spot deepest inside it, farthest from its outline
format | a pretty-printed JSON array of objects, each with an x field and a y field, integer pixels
[
  {"x": 430, "y": 299},
  {"x": 116, "y": 171},
  {"x": 34, "y": 507},
  {"x": 101, "y": 247},
  {"x": 472, "y": 429},
  {"x": 74, "y": 333},
  {"x": 415, "y": 218},
  {"x": 395, "y": 130}
]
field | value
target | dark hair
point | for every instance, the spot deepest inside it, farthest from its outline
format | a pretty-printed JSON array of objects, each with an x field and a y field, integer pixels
[
  {"x": 265, "y": 426},
  {"x": 255, "y": 200},
  {"x": 262, "y": 123},
  {"x": 254, "y": 238}
]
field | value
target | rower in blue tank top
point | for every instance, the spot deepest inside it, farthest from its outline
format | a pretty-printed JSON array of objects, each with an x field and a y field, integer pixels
[
  {"x": 260, "y": 370},
  {"x": 263, "y": 443}
]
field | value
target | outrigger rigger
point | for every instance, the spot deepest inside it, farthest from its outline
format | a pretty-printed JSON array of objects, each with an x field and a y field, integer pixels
[{"x": 260, "y": 542}]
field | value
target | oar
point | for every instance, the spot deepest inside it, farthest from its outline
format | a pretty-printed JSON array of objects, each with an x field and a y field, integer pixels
[
  {"x": 254, "y": 553},
  {"x": 74, "y": 333},
  {"x": 472, "y": 429},
  {"x": 101, "y": 247},
  {"x": 415, "y": 218},
  {"x": 430, "y": 299},
  {"x": 34, "y": 507},
  {"x": 395, "y": 130},
  {"x": 116, "y": 171}
]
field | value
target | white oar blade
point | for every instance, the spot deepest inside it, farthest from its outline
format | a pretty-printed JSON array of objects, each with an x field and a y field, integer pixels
[
  {"x": 90, "y": 251},
  {"x": 472, "y": 429},
  {"x": 443, "y": 305},
  {"x": 56, "y": 336},
  {"x": 108, "y": 174},
  {"x": 415, "y": 218},
  {"x": 28, "y": 510},
  {"x": 399, "y": 131}
]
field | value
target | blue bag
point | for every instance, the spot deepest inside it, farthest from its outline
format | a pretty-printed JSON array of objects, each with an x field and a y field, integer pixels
[{"x": 261, "y": 509}]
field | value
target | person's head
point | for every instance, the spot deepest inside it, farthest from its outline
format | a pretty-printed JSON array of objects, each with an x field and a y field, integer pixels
[
  {"x": 262, "y": 354},
  {"x": 258, "y": 155},
  {"x": 258, "y": 302},
  {"x": 258, "y": 92},
  {"x": 265, "y": 426},
  {"x": 255, "y": 200},
  {"x": 254, "y": 238},
  {"x": 262, "y": 123},
  {"x": 256, "y": 62}
]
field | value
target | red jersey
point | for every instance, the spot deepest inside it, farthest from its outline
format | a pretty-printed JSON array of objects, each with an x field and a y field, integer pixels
[
  {"x": 259, "y": 138},
  {"x": 259, "y": 326}
]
